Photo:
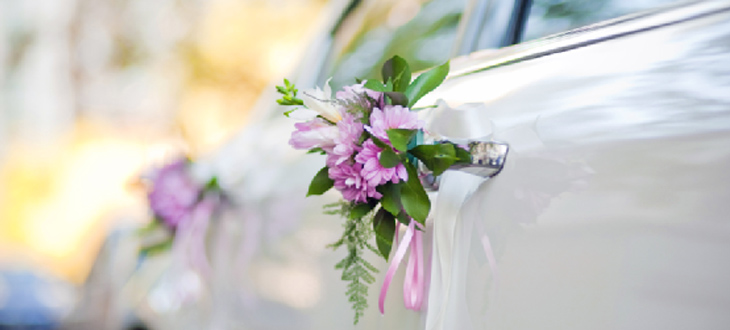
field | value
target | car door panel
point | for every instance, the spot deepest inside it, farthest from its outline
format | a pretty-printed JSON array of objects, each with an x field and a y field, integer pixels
[{"x": 610, "y": 211}]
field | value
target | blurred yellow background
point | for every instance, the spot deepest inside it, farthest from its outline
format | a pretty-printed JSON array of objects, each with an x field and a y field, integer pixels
[{"x": 92, "y": 93}]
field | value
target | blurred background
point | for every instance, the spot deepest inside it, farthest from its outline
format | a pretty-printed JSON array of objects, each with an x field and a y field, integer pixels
[
  {"x": 92, "y": 93},
  {"x": 95, "y": 91}
]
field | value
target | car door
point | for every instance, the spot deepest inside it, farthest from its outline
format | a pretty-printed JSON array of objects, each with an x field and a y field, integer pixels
[{"x": 610, "y": 212}]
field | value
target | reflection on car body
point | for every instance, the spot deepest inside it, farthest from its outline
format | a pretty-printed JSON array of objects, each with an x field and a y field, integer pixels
[{"x": 610, "y": 210}]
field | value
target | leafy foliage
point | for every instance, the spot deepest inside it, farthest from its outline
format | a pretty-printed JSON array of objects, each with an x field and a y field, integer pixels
[
  {"x": 289, "y": 92},
  {"x": 320, "y": 183},
  {"x": 389, "y": 159},
  {"x": 437, "y": 157},
  {"x": 401, "y": 137},
  {"x": 355, "y": 269},
  {"x": 384, "y": 227},
  {"x": 391, "y": 197},
  {"x": 426, "y": 82},
  {"x": 413, "y": 196},
  {"x": 397, "y": 70}
]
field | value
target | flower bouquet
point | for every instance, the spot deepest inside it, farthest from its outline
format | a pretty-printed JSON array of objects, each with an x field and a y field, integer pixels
[
  {"x": 182, "y": 207},
  {"x": 371, "y": 137}
]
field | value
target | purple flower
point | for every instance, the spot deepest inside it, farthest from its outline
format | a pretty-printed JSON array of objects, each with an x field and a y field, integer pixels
[
  {"x": 392, "y": 116},
  {"x": 351, "y": 184},
  {"x": 173, "y": 194},
  {"x": 372, "y": 171},
  {"x": 314, "y": 133},
  {"x": 346, "y": 143},
  {"x": 353, "y": 92}
]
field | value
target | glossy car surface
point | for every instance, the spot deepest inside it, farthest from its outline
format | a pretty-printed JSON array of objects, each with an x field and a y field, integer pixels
[{"x": 611, "y": 211}]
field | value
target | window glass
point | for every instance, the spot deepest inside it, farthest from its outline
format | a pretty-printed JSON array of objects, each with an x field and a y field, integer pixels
[
  {"x": 552, "y": 16},
  {"x": 421, "y": 31}
]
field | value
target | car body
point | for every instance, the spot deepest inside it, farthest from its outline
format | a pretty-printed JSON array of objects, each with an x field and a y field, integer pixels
[{"x": 610, "y": 212}]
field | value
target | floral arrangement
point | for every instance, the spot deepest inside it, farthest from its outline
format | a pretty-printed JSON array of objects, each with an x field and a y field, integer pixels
[
  {"x": 182, "y": 207},
  {"x": 370, "y": 134}
]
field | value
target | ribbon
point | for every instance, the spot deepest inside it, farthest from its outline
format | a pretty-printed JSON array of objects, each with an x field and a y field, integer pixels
[
  {"x": 414, "y": 284},
  {"x": 190, "y": 240}
]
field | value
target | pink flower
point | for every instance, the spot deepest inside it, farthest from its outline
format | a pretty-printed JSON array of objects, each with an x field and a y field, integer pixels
[
  {"x": 346, "y": 143},
  {"x": 375, "y": 173},
  {"x": 351, "y": 184},
  {"x": 173, "y": 194},
  {"x": 352, "y": 92},
  {"x": 314, "y": 133},
  {"x": 392, "y": 116}
]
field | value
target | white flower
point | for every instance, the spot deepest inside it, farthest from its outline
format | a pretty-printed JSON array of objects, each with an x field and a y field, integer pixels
[{"x": 320, "y": 101}]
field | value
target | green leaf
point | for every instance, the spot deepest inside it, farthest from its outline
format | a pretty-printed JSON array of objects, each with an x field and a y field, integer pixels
[
  {"x": 403, "y": 218},
  {"x": 212, "y": 184},
  {"x": 384, "y": 227},
  {"x": 397, "y": 98},
  {"x": 150, "y": 227},
  {"x": 413, "y": 196},
  {"x": 462, "y": 156},
  {"x": 389, "y": 159},
  {"x": 375, "y": 85},
  {"x": 157, "y": 248},
  {"x": 380, "y": 143},
  {"x": 424, "y": 107},
  {"x": 437, "y": 157},
  {"x": 400, "y": 137},
  {"x": 391, "y": 197},
  {"x": 320, "y": 183},
  {"x": 397, "y": 70},
  {"x": 362, "y": 209},
  {"x": 388, "y": 86},
  {"x": 316, "y": 151},
  {"x": 426, "y": 82},
  {"x": 287, "y": 113}
]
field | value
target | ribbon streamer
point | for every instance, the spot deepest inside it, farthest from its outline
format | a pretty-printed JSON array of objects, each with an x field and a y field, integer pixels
[
  {"x": 413, "y": 287},
  {"x": 414, "y": 284},
  {"x": 190, "y": 241}
]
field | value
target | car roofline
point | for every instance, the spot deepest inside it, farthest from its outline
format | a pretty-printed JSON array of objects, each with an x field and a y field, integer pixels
[{"x": 585, "y": 36}]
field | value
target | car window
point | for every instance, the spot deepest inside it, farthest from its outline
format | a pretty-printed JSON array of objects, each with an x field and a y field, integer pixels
[
  {"x": 552, "y": 16},
  {"x": 421, "y": 31}
]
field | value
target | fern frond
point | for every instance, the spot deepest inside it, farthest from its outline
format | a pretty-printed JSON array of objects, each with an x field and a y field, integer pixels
[{"x": 355, "y": 269}]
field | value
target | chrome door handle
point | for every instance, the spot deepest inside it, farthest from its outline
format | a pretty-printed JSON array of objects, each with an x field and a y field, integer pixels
[{"x": 487, "y": 161}]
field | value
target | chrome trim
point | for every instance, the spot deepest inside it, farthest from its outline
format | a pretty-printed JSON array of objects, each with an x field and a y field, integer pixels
[
  {"x": 588, "y": 35},
  {"x": 488, "y": 159}
]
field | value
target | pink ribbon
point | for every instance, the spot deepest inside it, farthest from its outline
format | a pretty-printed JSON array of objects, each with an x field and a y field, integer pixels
[
  {"x": 190, "y": 241},
  {"x": 414, "y": 284}
]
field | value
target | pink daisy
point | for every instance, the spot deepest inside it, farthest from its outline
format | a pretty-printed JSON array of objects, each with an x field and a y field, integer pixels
[
  {"x": 375, "y": 173},
  {"x": 173, "y": 193},
  {"x": 346, "y": 143},
  {"x": 392, "y": 116},
  {"x": 351, "y": 184},
  {"x": 352, "y": 92}
]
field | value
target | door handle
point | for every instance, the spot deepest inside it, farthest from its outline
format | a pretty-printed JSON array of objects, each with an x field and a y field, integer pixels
[{"x": 487, "y": 160}]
